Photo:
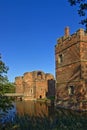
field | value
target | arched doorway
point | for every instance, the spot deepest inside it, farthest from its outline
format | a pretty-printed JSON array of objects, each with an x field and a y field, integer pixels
[{"x": 40, "y": 96}]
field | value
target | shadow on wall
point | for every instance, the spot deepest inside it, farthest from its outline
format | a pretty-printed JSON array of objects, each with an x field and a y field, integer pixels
[
  {"x": 51, "y": 88},
  {"x": 77, "y": 87},
  {"x": 77, "y": 90}
]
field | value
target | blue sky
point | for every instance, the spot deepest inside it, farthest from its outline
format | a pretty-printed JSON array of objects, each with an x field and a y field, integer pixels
[{"x": 29, "y": 30}]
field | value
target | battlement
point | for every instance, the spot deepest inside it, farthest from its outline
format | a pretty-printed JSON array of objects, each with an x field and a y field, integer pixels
[
  {"x": 67, "y": 40},
  {"x": 71, "y": 69},
  {"x": 18, "y": 78}
]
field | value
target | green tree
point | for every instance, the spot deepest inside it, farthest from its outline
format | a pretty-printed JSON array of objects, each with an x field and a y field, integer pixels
[
  {"x": 5, "y": 103},
  {"x": 82, "y": 10}
]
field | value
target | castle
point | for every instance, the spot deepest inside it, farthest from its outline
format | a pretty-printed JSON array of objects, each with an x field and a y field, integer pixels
[
  {"x": 35, "y": 85},
  {"x": 71, "y": 70}
]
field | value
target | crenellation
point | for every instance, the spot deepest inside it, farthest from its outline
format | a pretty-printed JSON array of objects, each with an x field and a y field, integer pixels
[
  {"x": 81, "y": 32},
  {"x": 71, "y": 69}
]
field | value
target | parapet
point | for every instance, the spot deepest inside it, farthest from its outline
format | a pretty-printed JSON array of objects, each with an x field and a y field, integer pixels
[
  {"x": 34, "y": 75},
  {"x": 67, "y": 40},
  {"x": 18, "y": 78}
]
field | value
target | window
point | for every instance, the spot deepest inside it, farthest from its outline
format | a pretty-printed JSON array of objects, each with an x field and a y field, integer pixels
[
  {"x": 71, "y": 90},
  {"x": 60, "y": 59},
  {"x": 39, "y": 75}
]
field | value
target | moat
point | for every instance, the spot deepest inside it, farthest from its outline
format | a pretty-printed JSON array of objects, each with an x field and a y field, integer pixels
[{"x": 60, "y": 117}]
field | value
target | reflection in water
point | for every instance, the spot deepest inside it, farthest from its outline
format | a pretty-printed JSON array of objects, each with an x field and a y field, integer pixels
[
  {"x": 9, "y": 115},
  {"x": 39, "y": 108},
  {"x": 60, "y": 118},
  {"x": 31, "y": 108}
]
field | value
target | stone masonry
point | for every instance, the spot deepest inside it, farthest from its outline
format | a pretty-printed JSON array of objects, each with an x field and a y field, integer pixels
[
  {"x": 71, "y": 70},
  {"x": 35, "y": 85}
]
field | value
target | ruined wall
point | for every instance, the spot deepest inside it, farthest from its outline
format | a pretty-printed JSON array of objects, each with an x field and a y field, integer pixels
[
  {"x": 35, "y": 85},
  {"x": 51, "y": 88},
  {"x": 51, "y": 85},
  {"x": 41, "y": 89},
  {"x": 45, "y": 86},
  {"x": 19, "y": 84},
  {"x": 28, "y": 84}
]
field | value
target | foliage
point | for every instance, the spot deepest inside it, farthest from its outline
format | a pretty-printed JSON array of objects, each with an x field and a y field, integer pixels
[
  {"x": 82, "y": 11},
  {"x": 3, "y": 71},
  {"x": 9, "y": 88},
  {"x": 5, "y": 103}
]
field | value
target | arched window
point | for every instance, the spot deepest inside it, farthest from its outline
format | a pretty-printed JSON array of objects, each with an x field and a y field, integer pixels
[{"x": 39, "y": 75}]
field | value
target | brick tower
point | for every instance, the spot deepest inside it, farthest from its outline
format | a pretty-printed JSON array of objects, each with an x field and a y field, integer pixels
[{"x": 71, "y": 70}]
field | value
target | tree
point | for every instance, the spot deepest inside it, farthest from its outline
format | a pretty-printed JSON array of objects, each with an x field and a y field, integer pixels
[
  {"x": 82, "y": 10},
  {"x": 5, "y": 103}
]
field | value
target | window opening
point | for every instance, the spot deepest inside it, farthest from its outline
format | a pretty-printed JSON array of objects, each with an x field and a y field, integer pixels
[
  {"x": 39, "y": 75},
  {"x": 71, "y": 90},
  {"x": 60, "y": 58}
]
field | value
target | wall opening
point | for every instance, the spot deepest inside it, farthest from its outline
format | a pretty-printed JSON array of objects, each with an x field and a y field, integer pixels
[
  {"x": 60, "y": 58},
  {"x": 39, "y": 75},
  {"x": 40, "y": 96},
  {"x": 71, "y": 90}
]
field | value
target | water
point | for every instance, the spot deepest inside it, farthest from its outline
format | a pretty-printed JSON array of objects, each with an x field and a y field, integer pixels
[
  {"x": 34, "y": 108},
  {"x": 30, "y": 108},
  {"x": 63, "y": 118},
  {"x": 8, "y": 115}
]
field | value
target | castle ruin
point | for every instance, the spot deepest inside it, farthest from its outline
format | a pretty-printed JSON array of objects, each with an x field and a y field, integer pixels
[{"x": 35, "y": 85}]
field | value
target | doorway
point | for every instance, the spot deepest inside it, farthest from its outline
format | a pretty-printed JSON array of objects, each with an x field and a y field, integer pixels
[{"x": 40, "y": 96}]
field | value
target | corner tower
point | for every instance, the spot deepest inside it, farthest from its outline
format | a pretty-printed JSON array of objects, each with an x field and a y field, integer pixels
[{"x": 71, "y": 69}]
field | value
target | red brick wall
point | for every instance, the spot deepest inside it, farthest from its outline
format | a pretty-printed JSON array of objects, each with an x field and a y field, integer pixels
[
  {"x": 19, "y": 84},
  {"x": 73, "y": 68},
  {"x": 35, "y": 85},
  {"x": 41, "y": 89}
]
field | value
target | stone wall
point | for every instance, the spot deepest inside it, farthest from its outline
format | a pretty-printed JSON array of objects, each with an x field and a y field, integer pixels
[
  {"x": 71, "y": 68},
  {"x": 19, "y": 84},
  {"x": 35, "y": 85}
]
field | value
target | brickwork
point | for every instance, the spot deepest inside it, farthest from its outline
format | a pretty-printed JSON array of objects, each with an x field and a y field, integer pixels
[
  {"x": 35, "y": 85},
  {"x": 71, "y": 68},
  {"x": 19, "y": 84}
]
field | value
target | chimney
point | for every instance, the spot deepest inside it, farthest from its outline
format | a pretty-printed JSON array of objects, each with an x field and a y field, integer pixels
[{"x": 67, "y": 32}]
